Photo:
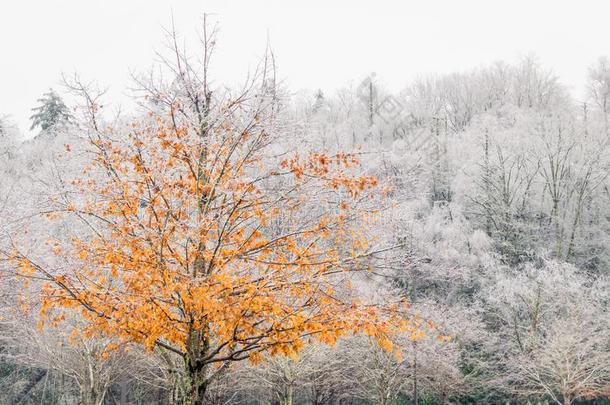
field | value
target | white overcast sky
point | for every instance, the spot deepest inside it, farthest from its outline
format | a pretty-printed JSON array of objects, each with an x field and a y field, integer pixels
[{"x": 318, "y": 44}]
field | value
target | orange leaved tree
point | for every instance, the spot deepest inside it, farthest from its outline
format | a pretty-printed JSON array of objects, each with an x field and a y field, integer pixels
[{"x": 207, "y": 243}]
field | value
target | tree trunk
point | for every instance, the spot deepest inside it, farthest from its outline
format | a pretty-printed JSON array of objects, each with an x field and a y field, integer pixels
[
  {"x": 123, "y": 386},
  {"x": 197, "y": 385},
  {"x": 289, "y": 395},
  {"x": 558, "y": 229},
  {"x": 196, "y": 369},
  {"x": 415, "y": 393},
  {"x": 92, "y": 396}
]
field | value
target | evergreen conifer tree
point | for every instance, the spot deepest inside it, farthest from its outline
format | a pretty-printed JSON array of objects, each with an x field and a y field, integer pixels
[{"x": 51, "y": 112}]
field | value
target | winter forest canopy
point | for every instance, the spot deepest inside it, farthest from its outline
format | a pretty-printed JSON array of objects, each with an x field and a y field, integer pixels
[{"x": 447, "y": 243}]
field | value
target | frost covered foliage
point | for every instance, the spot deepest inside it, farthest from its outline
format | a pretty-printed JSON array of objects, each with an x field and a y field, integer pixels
[
  {"x": 50, "y": 113},
  {"x": 449, "y": 243},
  {"x": 552, "y": 321}
]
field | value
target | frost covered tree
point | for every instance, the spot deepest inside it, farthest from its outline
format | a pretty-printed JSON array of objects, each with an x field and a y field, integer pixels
[
  {"x": 551, "y": 331},
  {"x": 598, "y": 87},
  {"x": 220, "y": 243},
  {"x": 50, "y": 113},
  {"x": 8, "y": 138}
]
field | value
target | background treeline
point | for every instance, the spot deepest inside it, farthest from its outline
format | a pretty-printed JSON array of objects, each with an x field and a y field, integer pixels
[{"x": 498, "y": 203}]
